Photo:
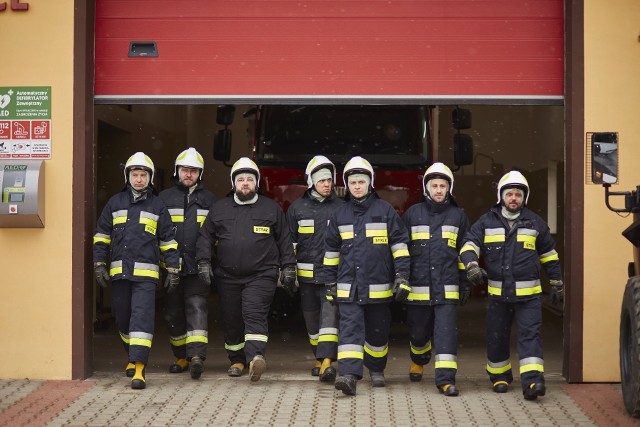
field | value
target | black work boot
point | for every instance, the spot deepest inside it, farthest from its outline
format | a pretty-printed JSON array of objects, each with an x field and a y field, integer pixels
[
  {"x": 500, "y": 387},
  {"x": 449, "y": 389},
  {"x": 179, "y": 366},
  {"x": 377, "y": 379},
  {"x": 346, "y": 384},
  {"x": 534, "y": 390},
  {"x": 415, "y": 372},
  {"x": 196, "y": 367},
  {"x": 315, "y": 371}
]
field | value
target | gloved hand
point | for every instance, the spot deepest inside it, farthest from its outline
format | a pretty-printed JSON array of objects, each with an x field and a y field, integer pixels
[
  {"x": 401, "y": 288},
  {"x": 464, "y": 296},
  {"x": 205, "y": 273},
  {"x": 331, "y": 292},
  {"x": 172, "y": 281},
  {"x": 475, "y": 274},
  {"x": 557, "y": 291},
  {"x": 288, "y": 279},
  {"x": 101, "y": 274}
]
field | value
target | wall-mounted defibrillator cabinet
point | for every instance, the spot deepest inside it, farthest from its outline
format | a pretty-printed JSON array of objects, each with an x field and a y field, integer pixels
[{"x": 22, "y": 184}]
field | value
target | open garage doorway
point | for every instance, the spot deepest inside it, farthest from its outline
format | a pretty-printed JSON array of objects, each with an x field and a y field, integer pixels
[{"x": 528, "y": 138}]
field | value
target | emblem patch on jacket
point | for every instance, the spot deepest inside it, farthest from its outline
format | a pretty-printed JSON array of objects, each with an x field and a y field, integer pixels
[{"x": 261, "y": 229}]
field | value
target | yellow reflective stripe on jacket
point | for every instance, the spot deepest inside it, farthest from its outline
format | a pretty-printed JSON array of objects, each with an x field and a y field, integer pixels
[
  {"x": 449, "y": 361},
  {"x": 119, "y": 217},
  {"x": 494, "y": 288},
  {"x": 450, "y": 233},
  {"x": 343, "y": 290},
  {"x": 419, "y": 293},
  {"x": 331, "y": 258},
  {"x": 350, "y": 351},
  {"x": 115, "y": 268},
  {"x": 177, "y": 215},
  {"x": 304, "y": 269},
  {"x": 529, "y": 364},
  {"x": 528, "y": 287},
  {"x": 346, "y": 231},
  {"x": 420, "y": 232},
  {"x": 147, "y": 218},
  {"x": 306, "y": 226},
  {"x": 452, "y": 291},
  {"x": 380, "y": 291},
  {"x": 376, "y": 351},
  {"x": 461, "y": 265},
  {"x": 549, "y": 256},
  {"x": 165, "y": 246},
  {"x": 399, "y": 249},
  {"x": 420, "y": 350},
  {"x": 499, "y": 367},
  {"x": 144, "y": 269},
  {"x": 470, "y": 246},
  {"x": 201, "y": 215},
  {"x": 102, "y": 238},
  {"x": 376, "y": 229}
]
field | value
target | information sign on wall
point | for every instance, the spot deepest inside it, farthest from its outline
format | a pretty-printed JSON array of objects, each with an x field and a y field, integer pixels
[{"x": 25, "y": 122}]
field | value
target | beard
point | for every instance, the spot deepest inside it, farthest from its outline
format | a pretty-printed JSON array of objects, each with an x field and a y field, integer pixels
[{"x": 245, "y": 197}]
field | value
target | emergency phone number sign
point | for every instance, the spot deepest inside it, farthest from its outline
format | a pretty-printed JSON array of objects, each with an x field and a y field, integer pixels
[{"x": 25, "y": 122}]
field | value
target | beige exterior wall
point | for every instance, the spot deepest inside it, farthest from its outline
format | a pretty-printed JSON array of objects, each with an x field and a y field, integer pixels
[
  {"x": 35, "y": 308},
  {"x": 612, "y": 93}
]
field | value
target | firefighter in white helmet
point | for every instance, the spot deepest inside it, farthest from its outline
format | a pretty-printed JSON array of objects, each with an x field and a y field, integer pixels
[
  {"x": 252, "y": 243},
  {"x": 307, "y": 218},
  {"x": 186, "y": 310},
  {"x": 132, "y": 231},
  {"x": 514, "y": 242},
  {"x": 366, "y": 262},
  {"x": 438, "y": 281}
]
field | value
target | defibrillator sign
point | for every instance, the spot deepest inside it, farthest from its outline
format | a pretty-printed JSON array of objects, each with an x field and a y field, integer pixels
[{"x": 25, "y": 122}]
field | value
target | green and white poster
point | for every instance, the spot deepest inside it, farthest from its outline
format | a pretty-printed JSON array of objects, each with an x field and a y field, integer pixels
[{"x": 25, "y": 122}]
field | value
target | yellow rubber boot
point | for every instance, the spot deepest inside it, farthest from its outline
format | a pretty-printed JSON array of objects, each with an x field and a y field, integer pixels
[
  {"x": 130, "y": 370},
  {"x": 315, "y": 371},
  {"x": 327, "y": 372},
  {"x": 415, "y": 372},
  {"x": 179, "y": 366},
  {"x": 138, "y": 382}
]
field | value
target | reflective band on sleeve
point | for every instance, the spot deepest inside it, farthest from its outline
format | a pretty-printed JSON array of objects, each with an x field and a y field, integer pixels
[
  {"x": 331, "y": 258},
  {"x": 376, "y": 229},
  {"x": 549, "y": 256},
  {"x": 452, "y": 291},
  {"x": 124, "y": 338},
  {"x": 102, "y": 238},
  {"x": 350, "y": 351},
  {"x": 177, "y": 215},
  {"x": 256, "y": 337},
  {"x": 420, "y": 350},
  {"x": 147, "y": 218},
  {"x": 140, "y": 338},
  {"x": 344, "y": 289},
  {"x": 528, "y": 287},
  {"x": 470, "y": 246},
  {"x": 376, "y": 351},
  {"x": 399, "y": 249},
  {"x": 494, "y": 235},
  {"x": 380, "y": 291},
  {"x": 448, "y": 361},
  {"x": 201, "y": 215},
  {"x": 419, "y": 293},
  {"x": 197, "y": 336},
  {"x": 306, "y": 226},
  {"x": 529, "y": 364},
  {"x": 234, "y": 347},
  {"x": 305, "y": 269},
  {"x": 499, "y": 367},
  {"x": 143, "y": 269},
  {"x": 119, "y": 217},
  {"x": 115, "y": 268},
  {"x": 346, "y": 231},
  {"x": 420, "y": 232},
  {"x": 461, "y": 265},
  {"x": 165, "y": 246}
]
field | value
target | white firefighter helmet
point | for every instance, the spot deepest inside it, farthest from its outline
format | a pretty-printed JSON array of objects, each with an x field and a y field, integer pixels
[
  {"x": 317, "y": 163},
  {"x": 513, "y": 179},
  {"x": 357, "y": 165},
  {"x": 245, "y": 165},
  {"x": 189, "y": 158},
  {"x": 139, "y": 161},
  {"x": 437, "y": 170}
]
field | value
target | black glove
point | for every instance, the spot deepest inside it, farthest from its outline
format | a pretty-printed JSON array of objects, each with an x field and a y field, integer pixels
[
  {"x": 475, "y": 274},
  {"x": 401, "y": 288},
  {"x": 464, "y": 297},
  {"x": 288, "y": 279},
  {"x": 331, "y": 292},
  {"x": 557, "y": 291},
  {"x": 205, "y": 273},
  {"x": 172, "y": 281},
  {"x": 101, "y": 274}
]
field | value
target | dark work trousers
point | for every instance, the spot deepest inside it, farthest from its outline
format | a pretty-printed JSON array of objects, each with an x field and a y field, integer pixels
[
  {"x": 364, "y": 334},
  {"x": 186, "y": 316},
  {"x": 133, "y": 304},
  {"x": 528, "y": 315},
  {"x": 245, "y": 314},
  {"x": 321, "y": 319},
  {"x": 440, "y": 323}
]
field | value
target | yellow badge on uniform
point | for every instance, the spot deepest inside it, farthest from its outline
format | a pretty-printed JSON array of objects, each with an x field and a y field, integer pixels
[
  {"x": 452, "y": 243},
  {"x": 261, "y": 229},
  {"x": 530, "y": 245},
  {"x": 150, "y": 229},
  {"x": 380, "y": 241}
]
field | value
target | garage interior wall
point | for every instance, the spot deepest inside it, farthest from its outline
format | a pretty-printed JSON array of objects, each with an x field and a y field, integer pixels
[
  {"x": 611, "y": 93},
  {"x": 36, "y": 304}
]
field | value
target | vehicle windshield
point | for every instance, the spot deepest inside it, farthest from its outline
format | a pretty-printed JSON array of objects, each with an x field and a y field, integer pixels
[{"x": 390, "y": 136}]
